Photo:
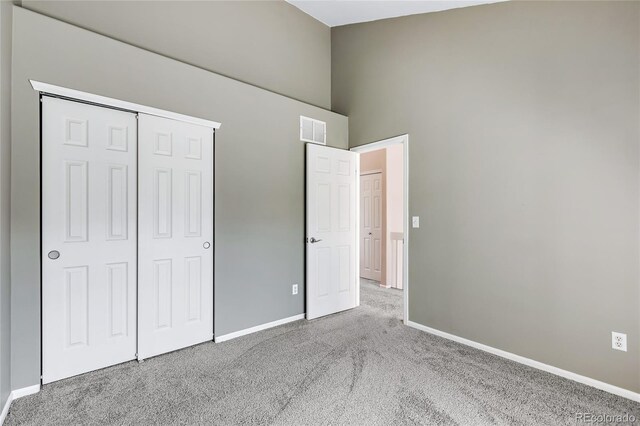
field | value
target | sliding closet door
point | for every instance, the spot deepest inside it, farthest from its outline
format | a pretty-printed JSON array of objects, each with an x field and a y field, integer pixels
[
  {"x": 88, "y": 238},
  {"x": 175, "y": 257}
]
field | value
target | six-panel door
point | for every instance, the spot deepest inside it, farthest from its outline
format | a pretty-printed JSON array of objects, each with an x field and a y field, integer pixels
[
  {"x": 371, "y": 226},
  {"x": 175, "y": 257},
  {"x": 88, "y": 238},
  {"x": 331, "y": 230}
]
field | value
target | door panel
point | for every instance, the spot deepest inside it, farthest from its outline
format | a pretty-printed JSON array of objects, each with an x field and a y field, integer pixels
[
  {"x": 371, "y": 226},
  {"x": 175, "y": 235},
  {"x": 89, "y": 218},
  {"x": 118, "y": 298},
  {"x": 331, "y": 219}
]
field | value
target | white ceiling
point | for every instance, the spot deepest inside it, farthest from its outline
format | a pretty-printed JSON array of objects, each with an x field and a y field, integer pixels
[{"x": 341, "y": 12}]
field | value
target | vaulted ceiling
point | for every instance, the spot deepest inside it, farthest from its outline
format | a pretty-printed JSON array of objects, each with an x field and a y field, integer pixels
[{"x": 342, "y": 12}]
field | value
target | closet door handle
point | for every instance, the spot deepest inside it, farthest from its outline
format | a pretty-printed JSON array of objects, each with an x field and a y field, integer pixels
[
  {"x": 53, "y": 254},
  {"x": 206, "y": 245}
]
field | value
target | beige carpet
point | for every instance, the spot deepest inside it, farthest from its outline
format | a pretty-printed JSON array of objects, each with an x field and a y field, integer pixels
[{"x": 360, "y": 367}]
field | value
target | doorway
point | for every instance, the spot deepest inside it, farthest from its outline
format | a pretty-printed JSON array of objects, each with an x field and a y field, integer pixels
[{"x": 383, "y": 228}]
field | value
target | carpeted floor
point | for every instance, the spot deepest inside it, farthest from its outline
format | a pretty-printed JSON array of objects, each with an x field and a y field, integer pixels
[{"x": 359, "y": 367}]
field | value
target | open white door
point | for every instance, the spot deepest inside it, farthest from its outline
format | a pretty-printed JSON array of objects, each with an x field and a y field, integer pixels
[
  {"x": 332, "y": 259},
  {"x": 175, "y": 255},
  {"x": 88, "y": 238}
]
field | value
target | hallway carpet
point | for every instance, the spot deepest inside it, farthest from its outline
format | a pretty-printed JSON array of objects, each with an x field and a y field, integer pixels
[{"x": 361, "y": 367}]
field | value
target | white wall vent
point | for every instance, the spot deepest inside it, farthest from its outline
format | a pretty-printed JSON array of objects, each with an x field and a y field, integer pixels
[{"x": 314, "y": 131}]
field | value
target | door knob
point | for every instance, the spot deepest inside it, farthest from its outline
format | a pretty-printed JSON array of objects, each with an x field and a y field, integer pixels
[
  {"x": 53, "y": 254},
  {"x": 313, "y": 240},
  {"x": 369, "y": 233},
  {"x": 206, "y": 245}
]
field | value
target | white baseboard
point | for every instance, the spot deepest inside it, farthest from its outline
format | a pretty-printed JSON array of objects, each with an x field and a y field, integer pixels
[
  {"x": 29, "y": 390},
  {"x": 261, "y": 327},
  {"x": 18, "y": 393},
  {"x": 5, "y": 409},
  {"x": 532, "y": 363}
]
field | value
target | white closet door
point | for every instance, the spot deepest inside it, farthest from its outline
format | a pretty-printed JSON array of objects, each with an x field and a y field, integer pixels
[
  {"x": 175, "y": 257},
  {"x": 332, "y": 263},
  {"x": 88, "y": 238}
]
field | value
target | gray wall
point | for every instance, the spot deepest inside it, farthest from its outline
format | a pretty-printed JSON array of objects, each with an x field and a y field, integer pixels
[
  {"x": 5, "y": 192},
  {"x": 523, "y": 125},
  {"x": 259, "y": 171},
  {"x": 270, "y": 44}
]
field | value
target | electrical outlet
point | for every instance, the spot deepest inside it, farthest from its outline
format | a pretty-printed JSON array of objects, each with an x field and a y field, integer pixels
[
  {"x": 619, "y": 341},
  {"x": 294, "y": 289},
  {"x": 416, "y": 221}
]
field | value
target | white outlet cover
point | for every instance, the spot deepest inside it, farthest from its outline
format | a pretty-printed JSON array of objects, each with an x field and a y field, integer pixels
[
  {"x": 618, "y": 341},
  {"x": 294, "y": 289},
  {"x": 415, "y": 221}
]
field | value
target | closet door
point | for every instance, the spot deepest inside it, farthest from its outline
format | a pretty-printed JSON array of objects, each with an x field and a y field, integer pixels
[
  {"x": 88, "y": 238},
  {"x": 175, "y": 257}
]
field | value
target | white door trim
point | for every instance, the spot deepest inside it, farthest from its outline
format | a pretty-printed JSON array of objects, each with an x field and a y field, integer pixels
[
  {"x": 116, "y": 103},
  {"x": 404, "y": 140}
]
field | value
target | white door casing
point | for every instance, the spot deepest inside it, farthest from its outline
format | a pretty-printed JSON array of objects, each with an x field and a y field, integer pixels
[
  {"x": 175, "y": 235},
  {"x": 374, "y": 146},
  {"x": 89, "y": 220},
  {"x": 331, "y": 210},
  {"x": 371, "y": 226}
]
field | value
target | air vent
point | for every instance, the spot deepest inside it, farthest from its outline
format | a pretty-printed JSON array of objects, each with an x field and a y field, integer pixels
[{"x": 314, "y": 131}]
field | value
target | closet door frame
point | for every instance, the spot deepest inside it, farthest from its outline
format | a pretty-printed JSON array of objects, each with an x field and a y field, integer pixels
[{"x": 50, "y": 90}]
